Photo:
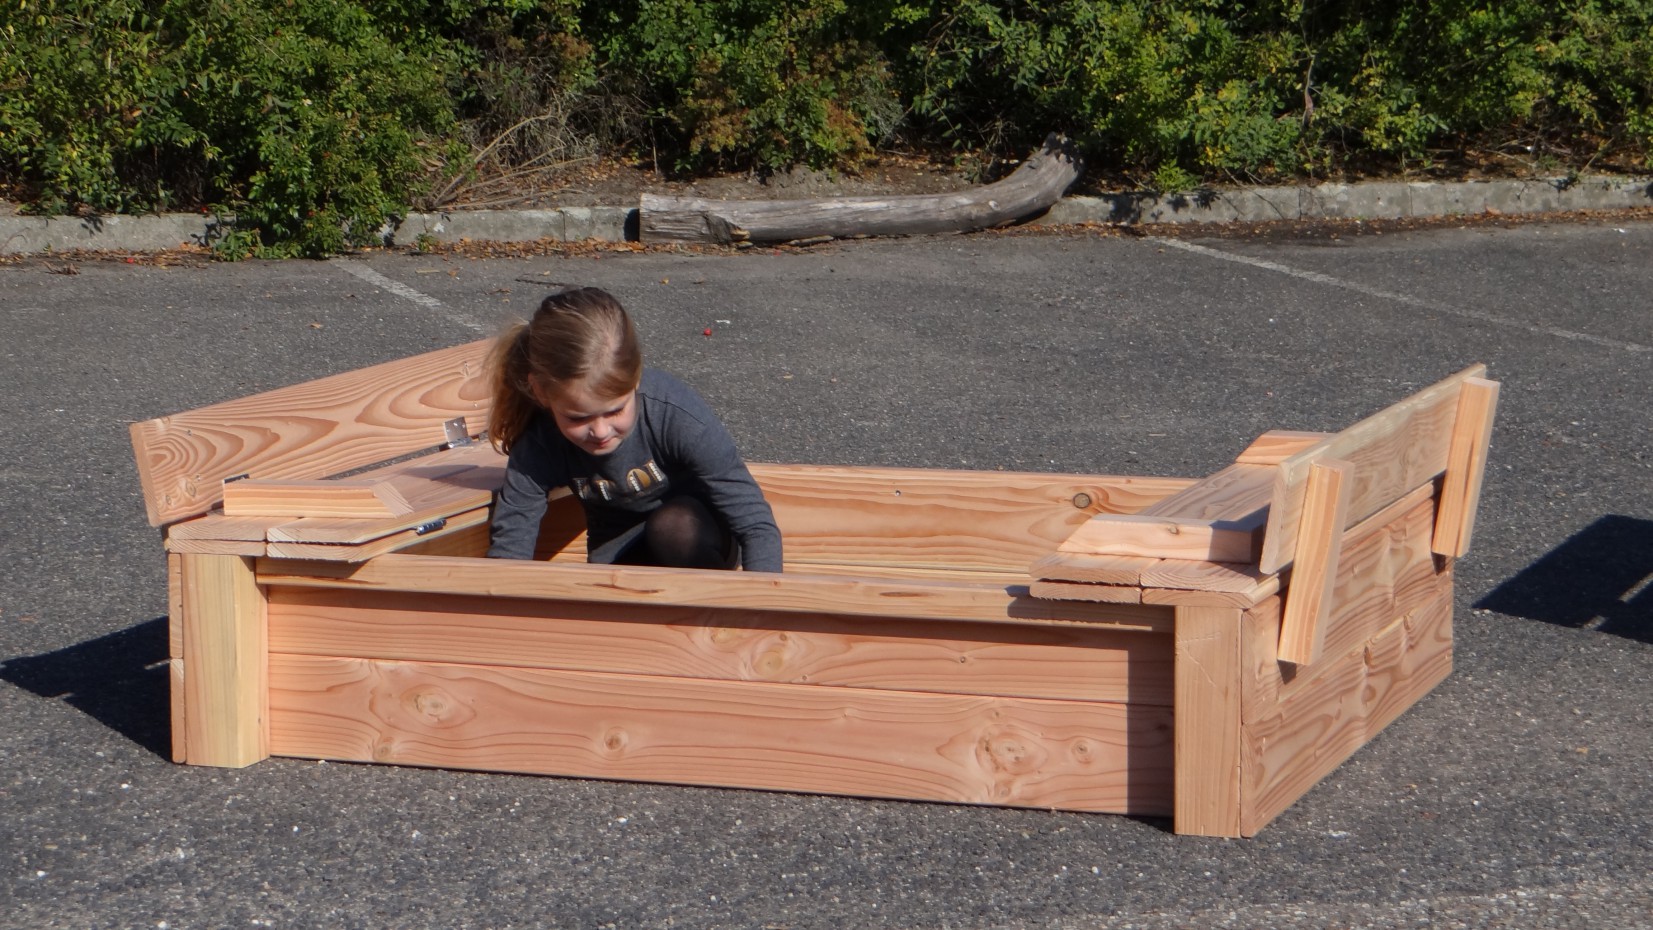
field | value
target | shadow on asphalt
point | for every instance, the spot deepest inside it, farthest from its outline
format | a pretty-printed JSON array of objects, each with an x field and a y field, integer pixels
[
  {"x": 120, "y": 680},
  {"x": 1599, "y": 579}
]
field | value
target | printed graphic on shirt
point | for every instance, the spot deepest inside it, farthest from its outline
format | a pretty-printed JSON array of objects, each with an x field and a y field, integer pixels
[{"x": 638, "y": 481}]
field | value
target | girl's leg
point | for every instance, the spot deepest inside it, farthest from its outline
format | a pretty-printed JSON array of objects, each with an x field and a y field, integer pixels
[{"x": 684, "y": 534}]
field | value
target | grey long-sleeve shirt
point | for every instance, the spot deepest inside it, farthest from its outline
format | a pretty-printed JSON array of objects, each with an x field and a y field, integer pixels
[{"x": 678, "y": 446}]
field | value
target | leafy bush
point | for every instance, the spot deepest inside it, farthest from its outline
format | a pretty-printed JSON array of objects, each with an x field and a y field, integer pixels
[
  {"x": 315, "y": 121},
  {"x": 303, "y": 117}
]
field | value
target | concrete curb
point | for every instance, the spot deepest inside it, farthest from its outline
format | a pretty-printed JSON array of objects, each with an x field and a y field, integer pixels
[{"x": 1379, "y": 200}]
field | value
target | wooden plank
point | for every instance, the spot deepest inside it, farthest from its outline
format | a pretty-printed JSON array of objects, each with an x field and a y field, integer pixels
[
  {"x": 174, "y": 606},
  {"x": 1241, "y": 599},
  {"x": 224, "y": 654},
  {"x": 1098, "y": 593},
  {"x": 940, "y": 518},
  {"x": 1386, "y": 571},
  {"x": 859, "y": 596},
  {"x": 1235, "y": 493},
  {"x": 435, "y": 487},
  {"x": 215, "y": 547},
  {"x": 1392, "y": 451},
  {"x": 177, "y": 688},
  {"x": 217, "y": 527},
  {"x": 1319, "y": 544},
  {"x": 1167, "y": 537},
  {"x": 961, "y": 749},
  {"x": 1261, "y": 672},
  {"x": 1275, "y": 446},
  {"x": 354, "y": 498},
  {"x": 1311, "y": 732},
  {"x": 1100, "y": 569},
  {"x": 1207, "y": 721},
  {"x": 1066, "y": 663},
  {"x": 361, "y": 552},
  {"x": 1466, "y": 467},
  {"x": 1235, "y": 577},
  {"x": 310, "y": 430}
]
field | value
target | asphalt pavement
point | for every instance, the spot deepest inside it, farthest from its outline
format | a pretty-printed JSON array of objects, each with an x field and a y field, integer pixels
[{"x": 1519, "y": 793}]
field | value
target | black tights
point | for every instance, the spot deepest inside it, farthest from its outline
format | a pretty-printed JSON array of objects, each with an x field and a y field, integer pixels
[{"x": 682, "y": 533}]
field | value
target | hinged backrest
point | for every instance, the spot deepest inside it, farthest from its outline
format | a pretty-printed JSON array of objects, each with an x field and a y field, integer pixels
[
  {"x": 310, "y": 430},
  {"x": 1388, "y": 453}
]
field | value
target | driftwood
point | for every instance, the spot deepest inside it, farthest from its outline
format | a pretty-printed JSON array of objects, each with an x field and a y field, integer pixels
[{"x": 1029, "y": 190}]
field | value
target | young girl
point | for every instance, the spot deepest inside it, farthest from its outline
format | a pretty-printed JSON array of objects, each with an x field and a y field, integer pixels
[{"x": 655, "y": 470}]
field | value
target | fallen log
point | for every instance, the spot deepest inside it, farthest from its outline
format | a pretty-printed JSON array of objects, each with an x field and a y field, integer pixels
[{"x": 1028, "y": 191}]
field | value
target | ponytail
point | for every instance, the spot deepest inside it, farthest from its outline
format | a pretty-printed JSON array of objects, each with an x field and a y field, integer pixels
[
  {"x": 578, "y": 335},
  {"x": 513, "y": 405}
]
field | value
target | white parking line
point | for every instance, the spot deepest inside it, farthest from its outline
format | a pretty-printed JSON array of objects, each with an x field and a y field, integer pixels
[
  {"x": 402, "y": 290},
  {"x": 1417, "y": 302}
]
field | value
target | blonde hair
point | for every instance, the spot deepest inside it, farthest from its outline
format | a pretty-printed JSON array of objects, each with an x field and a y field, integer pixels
[{"x": 580, "y": 335}]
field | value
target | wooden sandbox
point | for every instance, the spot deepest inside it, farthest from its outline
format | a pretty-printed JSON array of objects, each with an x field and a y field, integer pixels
[{"x": 1201, "y": 649}]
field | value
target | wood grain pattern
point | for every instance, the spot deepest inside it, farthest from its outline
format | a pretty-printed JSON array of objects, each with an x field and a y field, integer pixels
[
  {"x": 1096, "y": 593},
  {"x": 177, "y": 709},
  {"x": 1392, "y": 451},
  {"x": 1386, "y": 572},
  {"x": 1233, "y": 577},
  {"x": 310, "y": 430},
  {"x": 1233, "y": 494},
  {"x": 1261, "y": 672},
  {"x": 224, "y": 655},
  {"x": 1312, "y": 731},
  {"x": 1067, "y": 663},
  {"x": 965, "y": 749},
  {"x": 1167, "y": 538},
  {"x": 435, "y": 487},
  {"x": 1207, "y": 795},
  {"x": 1466, "y": 467},
  {"x": 1319, "y": 547},
  {"x": 1099, "y": 569},
  {"x": 351, "y": 498},
  {"x": 1275, "y": 446},
  {"x": 1176, "y": 597},
  {"x": 215, "y": 547},
  {"x": 939, "y": 518},
  {"x": 859, "y": 596},
  {"x": 395, "y": 542}
]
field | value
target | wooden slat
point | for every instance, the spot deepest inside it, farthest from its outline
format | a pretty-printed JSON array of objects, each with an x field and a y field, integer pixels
[
  {"x": 1312, "y": 731},
  {"x": 940, "y": 518},
  {"x": 310, "y": 430},
  {"x": 219, "y": 528},
  {"x": 1235, "y": 577},
  {"x": 1100, "y": 569},
  {"x": 1392, "y": 451},
  {"x": 1236, "y": 493},
  {"x": 174, "y": 606},
  {"x": 1386, "y": 571},
  {"x": 361, "y": 552},
  {"x": 1167, "y": 538},
  {"x": 1172, "y": 596},
  {"x": 1067, "y": 663},
  {"x": 1207, "y": 796},
  {"x": 215, "y": 547},
  {"x": 224, "y": 655},
  {"x": 352, "y": 498},
  {"x": 1319, "y": 543},
  {"x": 435, "y": 487},
  {"x": 1098, "y": 593},
  {"x": 1466, "y": 467},
  {"x": 740, "y": 590},
  {"x": 177, "y": 702},
  {"x": 963, "y": 749},
  {"x": 1275, "y": 446},
  {"x": 1261, "y": 672}
]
